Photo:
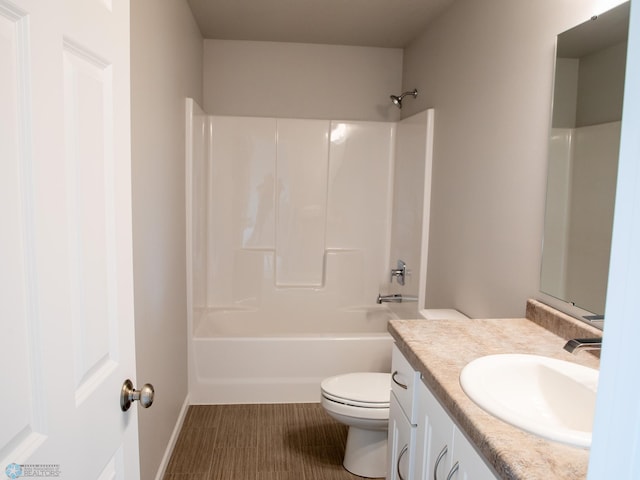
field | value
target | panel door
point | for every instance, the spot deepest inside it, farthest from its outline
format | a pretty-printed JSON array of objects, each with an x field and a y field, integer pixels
[
  {"x": 471, "y": 466},
  {"x": 434, "y": 443},
  {"x": 401, "y": 443},
  {"x": 66, "y": 292}
]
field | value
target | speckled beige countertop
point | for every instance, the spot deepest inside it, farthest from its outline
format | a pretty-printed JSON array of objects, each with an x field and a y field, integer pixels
[{"x": 439, "y": 349}]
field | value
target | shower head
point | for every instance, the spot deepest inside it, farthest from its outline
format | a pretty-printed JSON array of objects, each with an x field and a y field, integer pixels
[{"x": 397, "y": 100}]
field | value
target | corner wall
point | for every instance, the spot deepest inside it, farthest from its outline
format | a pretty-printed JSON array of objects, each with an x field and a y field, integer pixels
[
  {"x": 166, "y": 67},
  {"x": 487, "y": 69}
]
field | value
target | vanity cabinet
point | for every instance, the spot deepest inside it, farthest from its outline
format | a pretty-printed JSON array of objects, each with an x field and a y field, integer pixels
[{"x": 424, "y": 442}]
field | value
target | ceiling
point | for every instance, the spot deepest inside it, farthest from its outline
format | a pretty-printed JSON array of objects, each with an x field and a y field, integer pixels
[
  {"x": 602, "y": 31},
  {"x": 374, "y": 23}
]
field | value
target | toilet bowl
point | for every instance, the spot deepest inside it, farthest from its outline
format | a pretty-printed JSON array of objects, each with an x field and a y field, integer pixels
[{"x": 361, "y": 401}]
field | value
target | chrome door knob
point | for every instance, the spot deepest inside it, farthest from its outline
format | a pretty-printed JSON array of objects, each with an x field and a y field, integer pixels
[{"x": 128, "y": 395}]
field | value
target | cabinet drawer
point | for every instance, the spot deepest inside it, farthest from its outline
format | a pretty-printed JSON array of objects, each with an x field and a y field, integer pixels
[{"x": 403, "y": 383}]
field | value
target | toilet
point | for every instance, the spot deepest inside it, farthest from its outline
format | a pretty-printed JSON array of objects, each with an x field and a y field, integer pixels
[{"x": 361, "y": 401}]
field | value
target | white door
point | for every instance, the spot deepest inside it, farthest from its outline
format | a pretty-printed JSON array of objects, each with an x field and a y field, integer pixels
[{"x": 66, "y": 290}]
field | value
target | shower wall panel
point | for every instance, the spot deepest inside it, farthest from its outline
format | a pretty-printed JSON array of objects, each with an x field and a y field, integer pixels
[
  {"x": 593, "y": 186},
  {"x": 303, "y": 158},
  {"x": 583, "y": 166},
  {"x": 406, "y": 237},
  {"x": 411, "y": 209},
  {"x": 298, "y": 221},
  {"x": 241, "y": 198},
  {"x": 198, "y": 126},
  {"x": 359, "y": 211},
  {"x": 556, "y": 218}
]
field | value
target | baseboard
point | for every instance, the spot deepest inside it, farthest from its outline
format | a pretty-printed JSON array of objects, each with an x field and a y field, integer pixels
[{"x": 173, "y": 439}]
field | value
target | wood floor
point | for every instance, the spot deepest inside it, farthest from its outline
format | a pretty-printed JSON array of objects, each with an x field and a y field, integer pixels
[{"x": 259, "y": 442}]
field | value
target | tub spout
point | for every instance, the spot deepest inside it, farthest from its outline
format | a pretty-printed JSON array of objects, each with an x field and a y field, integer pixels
[{"x": 395, "y": 298}]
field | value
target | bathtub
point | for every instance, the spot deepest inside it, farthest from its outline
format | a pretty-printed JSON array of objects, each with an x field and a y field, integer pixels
[{"x": 235, "y": 359}]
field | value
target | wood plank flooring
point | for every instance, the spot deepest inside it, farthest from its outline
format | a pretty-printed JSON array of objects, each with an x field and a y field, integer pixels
[{"x": 259, "y": 442}]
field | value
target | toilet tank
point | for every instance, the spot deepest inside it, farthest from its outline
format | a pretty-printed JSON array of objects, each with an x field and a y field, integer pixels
[{"x": 443, "y": 314}]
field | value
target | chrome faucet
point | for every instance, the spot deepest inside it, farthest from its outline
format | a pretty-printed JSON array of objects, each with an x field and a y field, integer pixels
[
  {"x": 400, "y": 273},
  {"x": 395, "y": 298},
  {"x": 576, "y": 344}
]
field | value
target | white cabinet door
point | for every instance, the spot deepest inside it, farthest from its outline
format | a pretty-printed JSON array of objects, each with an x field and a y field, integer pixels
[
  {"x": 470, "y": 464},
  {"x": 442, "y": 451},
  {"x": 433, "y": 437},
  {"x": 66, "y": 290},
  {"x": 401, "y": 443}
]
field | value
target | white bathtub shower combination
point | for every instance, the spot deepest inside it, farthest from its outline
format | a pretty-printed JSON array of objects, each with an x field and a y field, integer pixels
[{"x": 290, "y": 234}]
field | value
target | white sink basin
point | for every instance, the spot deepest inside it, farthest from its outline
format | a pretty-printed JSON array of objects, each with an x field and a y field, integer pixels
[{"x": 550, "y": 398}]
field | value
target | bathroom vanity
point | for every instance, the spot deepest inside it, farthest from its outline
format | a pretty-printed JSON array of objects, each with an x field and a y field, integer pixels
[
  {"x": 437, "y": 431},
  {"x": 424, "y": 442}
]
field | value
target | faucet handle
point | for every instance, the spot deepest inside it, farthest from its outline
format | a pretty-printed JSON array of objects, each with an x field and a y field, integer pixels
[{"x": 399, "y": 272}]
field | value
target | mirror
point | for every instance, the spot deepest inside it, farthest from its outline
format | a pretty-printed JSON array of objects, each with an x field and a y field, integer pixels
[{"x": 583, "y": 160}]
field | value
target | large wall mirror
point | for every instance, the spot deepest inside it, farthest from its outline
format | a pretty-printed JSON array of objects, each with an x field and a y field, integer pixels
[{"x": 583, "y": 160}]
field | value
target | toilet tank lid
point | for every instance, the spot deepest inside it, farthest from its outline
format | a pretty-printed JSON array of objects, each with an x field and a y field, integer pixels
[{"x": 443, "y": 314}]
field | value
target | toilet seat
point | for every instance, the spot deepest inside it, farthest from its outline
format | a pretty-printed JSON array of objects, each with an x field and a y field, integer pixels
[
  {"x": 363, "y": 390},
  {"x": 359, "y": 414}
]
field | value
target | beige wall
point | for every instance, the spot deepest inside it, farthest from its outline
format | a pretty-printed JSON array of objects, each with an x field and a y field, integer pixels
[
  {"x": 294, "y": 80},
  {"x": 166, "y": 67},
  {"x": 487, "y": 67}
]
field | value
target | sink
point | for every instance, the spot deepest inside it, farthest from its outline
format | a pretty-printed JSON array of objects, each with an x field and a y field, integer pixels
[{"x": 551, "y": 398}]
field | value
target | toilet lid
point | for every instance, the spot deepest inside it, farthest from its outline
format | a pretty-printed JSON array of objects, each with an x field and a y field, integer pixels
[{"x": 366, "y": 389}]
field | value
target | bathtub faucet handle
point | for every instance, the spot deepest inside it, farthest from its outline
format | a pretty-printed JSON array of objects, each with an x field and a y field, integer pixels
[{"x": 399, "y": 272}]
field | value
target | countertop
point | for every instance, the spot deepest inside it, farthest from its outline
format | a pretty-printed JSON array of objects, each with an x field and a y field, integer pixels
[{"x": 439, "y": 349}]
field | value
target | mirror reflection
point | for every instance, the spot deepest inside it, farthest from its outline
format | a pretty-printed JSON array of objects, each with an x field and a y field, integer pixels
[{"x": 583, "y": 159}]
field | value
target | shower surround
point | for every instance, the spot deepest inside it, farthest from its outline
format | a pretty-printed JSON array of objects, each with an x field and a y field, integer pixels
[{"x": 290, "y": 231}]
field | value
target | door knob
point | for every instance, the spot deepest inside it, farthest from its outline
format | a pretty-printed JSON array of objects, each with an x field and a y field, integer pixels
[{"x": 129, "y": 395}]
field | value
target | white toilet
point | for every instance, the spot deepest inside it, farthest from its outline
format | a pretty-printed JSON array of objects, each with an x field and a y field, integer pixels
[{"x": 361, "y": 401}]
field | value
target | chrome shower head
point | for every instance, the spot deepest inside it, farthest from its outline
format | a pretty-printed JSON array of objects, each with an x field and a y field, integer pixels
[{"x": 397, "y": 100}]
